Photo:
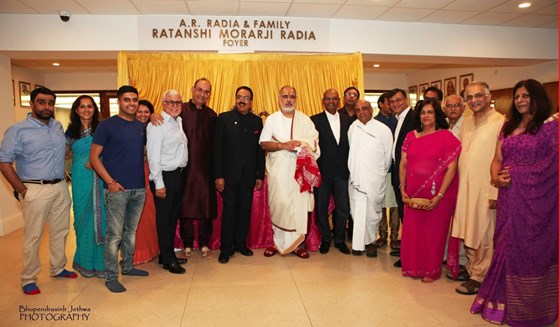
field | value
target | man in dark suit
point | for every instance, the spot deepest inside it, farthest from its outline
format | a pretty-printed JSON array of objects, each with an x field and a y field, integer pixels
[
  {"x": 333, "y": 164},
  {"x": 238, "y": 167},
  {"x": 405, "y": 123}
]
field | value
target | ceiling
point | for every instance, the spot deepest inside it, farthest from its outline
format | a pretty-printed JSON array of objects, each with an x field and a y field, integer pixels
[{"x": 542, "y": 14}]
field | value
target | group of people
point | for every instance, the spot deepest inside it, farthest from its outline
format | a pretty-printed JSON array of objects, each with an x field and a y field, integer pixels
[{"x": 486, "y": 181}]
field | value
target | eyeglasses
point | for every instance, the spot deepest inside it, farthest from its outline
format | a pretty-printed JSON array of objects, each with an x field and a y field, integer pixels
[
  {"x": 522, "y": 96},
  {"x": 477, "y": 96},
  {"x": 351, "y": 94},
  {"x": 454, "y": 105},
  {"x": 243, "y": 97},
  {"x": 286, "y": 97},
  {"x": 397, "y": 100},
  {"x": 173, "y": 103},
  {"x": 198, "y": 89}
]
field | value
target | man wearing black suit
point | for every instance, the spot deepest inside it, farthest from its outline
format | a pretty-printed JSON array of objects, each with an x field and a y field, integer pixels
[
  {"x": 404, "y": 114},
  {"x": 333, "y": 164},
  {"x": 238, "y": 167}
]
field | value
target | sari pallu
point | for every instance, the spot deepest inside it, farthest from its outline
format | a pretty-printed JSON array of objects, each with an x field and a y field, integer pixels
[
  {"x": 424, "y": 232},
  {"x": 89, "y": 211},
  {"x": 521, "y": 285}
]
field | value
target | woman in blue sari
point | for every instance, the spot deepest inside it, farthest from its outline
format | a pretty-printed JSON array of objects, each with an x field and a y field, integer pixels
[{"x": 87, "y": 196}]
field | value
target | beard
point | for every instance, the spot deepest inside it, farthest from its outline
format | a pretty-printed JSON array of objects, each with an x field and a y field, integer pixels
[
  {"x": 44, "y": 114},
  {"x": 288, "y": 109}
]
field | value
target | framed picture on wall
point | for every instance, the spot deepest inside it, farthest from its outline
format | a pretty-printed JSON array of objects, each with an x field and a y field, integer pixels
[
  {"x": 14, "y": 93},
  {"x": 412, "y": 95},
  {"x": 464, "y": 80},
  {"x": 436, "y": 84},
  {"x": 450, "y": 86},
  {"x": 421, "y": 89},
  {"x": 24, "y": 92}
]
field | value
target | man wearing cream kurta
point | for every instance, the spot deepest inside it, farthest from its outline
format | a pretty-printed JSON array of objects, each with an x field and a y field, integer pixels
[
  {"x": 285, "y": 134},
  {"x": 475, "y": 215}
]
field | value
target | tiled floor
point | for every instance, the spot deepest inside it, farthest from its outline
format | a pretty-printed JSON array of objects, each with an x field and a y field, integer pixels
[{"x": 325, "y": 290}]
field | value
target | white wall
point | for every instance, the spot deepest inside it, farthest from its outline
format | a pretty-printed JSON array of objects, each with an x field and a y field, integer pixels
[
  {"x": 383, "y": 81},
  {"x": 81, "y": 81},
  {"x": 121, "y": 32},
  {"x": 10, "y": 214},
  {"x": 29, "y": 76},
  {"x": 496, "y": 77}
]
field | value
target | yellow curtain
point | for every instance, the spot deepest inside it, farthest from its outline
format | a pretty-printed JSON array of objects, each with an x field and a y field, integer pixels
[{"x": 154, "y": 73}]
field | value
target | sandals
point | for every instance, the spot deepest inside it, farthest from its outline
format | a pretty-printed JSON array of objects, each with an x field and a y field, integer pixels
[
  {"x": 470, "y": 287},
  {"x": 270, "y": 251},
  {"x": 205, "y": 252},
  {"x": 301, "y": 252},
  {"x": 188, "y": 252}
]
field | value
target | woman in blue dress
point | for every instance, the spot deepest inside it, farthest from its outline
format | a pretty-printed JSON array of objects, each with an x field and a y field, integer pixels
[{"x": 87, "y": 190}]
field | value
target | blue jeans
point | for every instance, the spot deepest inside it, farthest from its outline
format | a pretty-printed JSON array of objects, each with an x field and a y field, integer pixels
[{"x": 123, "y": 213}]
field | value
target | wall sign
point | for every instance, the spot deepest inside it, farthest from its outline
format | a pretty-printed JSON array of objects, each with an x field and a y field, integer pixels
[{"x": 224, "y": 33}]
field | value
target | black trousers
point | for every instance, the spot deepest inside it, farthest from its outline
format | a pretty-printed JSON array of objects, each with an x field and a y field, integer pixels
[
  {"x": 338, "y": 188},
  {"x": 236, "y": 216},
  {"x": 167, "y": 213}
]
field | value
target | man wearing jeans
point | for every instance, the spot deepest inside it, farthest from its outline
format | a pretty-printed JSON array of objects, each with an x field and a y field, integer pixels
[{"x": 120, "y": 142}]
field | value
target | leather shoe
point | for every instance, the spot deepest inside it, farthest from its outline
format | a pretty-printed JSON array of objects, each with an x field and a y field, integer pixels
[
  {"x": 398, "y": 264},
  {"x": 174, "y": 268},
  {"x": 325, "y": 247},
  {"x": 223, "y": 258},
  {"x": 342, "y": 247},
  {"x": 244, "y": 251},
  {"x": 357, "y": 252},
  {"x": 371, "y": 250},
  {"x": 179, "y": 260}
]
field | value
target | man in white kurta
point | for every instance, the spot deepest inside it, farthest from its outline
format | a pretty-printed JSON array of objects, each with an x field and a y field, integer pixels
[
  {"x": 369, "y": 161},
  {"x": 286, "y": 132},
  {"x": 475, "y": 215}
]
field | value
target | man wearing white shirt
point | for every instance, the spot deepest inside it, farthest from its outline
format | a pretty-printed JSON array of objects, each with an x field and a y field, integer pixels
[
  {"x": 369, "y": 161},
  {"x": 453, "y": 108},
  {"x": 167, "y": 158},
  {"x": 405, "y": 123},
  {"x": 333, "y": 142}
]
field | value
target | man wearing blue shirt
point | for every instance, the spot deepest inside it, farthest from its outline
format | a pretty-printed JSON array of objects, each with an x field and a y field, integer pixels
[
  {"x": 117, "y": 155},
  {"x": 37, "y": 145}
]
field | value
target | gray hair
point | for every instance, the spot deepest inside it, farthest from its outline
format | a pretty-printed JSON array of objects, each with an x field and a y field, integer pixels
[
  {"x": 170, "y": 93},
  {"x": 484, "y": 85},
  {"x": 453, "y": 96}
]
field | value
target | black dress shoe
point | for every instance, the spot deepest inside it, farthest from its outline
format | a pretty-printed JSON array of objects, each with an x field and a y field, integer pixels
[
  {"x": 244, "y": 251},
  {"x": 223, "y": 258},
  {"x": 357, "y": 252},
  {"x": 325, "y": 247},
  {"x": 342, "y": 247},
  {"x": 398, "y": 264},
  {"x": 395, "y": 253},
  {"x": 182, "y": 260},
  {"x": 174, "y": 268}
]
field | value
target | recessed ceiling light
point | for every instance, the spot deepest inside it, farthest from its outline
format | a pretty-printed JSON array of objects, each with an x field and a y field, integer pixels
[
  {"x": 55, "y": 64},
  {"x": 376, "y": 65},
  {"x": 524, "y": 5}
]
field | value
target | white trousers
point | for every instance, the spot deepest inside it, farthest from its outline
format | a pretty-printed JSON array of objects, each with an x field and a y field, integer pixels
[{"x": 367, "y": 216}]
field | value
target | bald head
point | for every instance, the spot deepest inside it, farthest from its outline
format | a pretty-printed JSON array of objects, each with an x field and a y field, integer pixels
[{"x": 364, "y": 111}]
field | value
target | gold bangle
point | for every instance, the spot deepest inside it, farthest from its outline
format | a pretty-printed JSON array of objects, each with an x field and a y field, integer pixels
[
  {"x": 440, "y": 195},
  {"x": 111, "y": 182}
]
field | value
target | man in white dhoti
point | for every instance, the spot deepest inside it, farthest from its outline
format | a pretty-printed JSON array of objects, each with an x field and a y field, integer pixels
[
  {"x": 369, "y": 161},
  {"x": 289, "y": 136}
]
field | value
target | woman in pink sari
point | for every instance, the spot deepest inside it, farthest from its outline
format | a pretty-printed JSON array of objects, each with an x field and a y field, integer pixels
[
  {"x": 428, "y": 187},
  {"x": 521, "y": 285}
]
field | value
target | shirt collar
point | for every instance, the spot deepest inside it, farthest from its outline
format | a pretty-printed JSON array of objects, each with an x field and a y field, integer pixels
[
  {"x": 38, "y": 122},
  {"x": 403, "y": 114}
]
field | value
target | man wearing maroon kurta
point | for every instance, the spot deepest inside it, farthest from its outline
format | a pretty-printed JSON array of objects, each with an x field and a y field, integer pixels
[{"x": 199, "y": 198}]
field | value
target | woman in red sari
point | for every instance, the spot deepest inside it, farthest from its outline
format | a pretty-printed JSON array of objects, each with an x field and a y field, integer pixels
[{"x": 428, "y": 187}]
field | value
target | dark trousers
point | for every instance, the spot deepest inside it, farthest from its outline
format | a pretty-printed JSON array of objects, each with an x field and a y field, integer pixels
[
  {"x": 187, "y": 231},
  {"x": 167, "y": 213},
  {"x": 338, "y": 188},
  {"x": 395, "y": 181},
  {"x": 236, "y": 216}
]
